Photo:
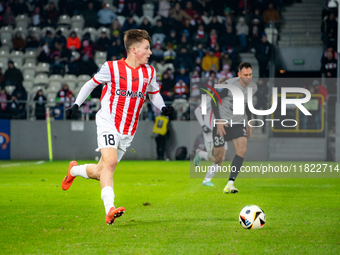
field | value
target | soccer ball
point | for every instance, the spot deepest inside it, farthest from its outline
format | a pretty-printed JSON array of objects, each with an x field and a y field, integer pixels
[{"x": 252, "y": 217}]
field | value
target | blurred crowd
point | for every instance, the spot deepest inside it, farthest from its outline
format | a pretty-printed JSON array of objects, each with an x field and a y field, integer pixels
[{"x": 191, "y": 39}]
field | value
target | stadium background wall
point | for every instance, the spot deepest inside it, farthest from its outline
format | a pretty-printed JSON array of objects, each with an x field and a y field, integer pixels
[{"x": 29, "y": 141}]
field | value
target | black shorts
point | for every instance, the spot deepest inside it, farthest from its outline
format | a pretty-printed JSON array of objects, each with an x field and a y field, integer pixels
[{"x": 236, "y": 131}]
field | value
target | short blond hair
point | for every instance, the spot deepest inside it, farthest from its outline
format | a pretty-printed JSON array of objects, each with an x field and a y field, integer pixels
[{"x": 134, "y": 36}]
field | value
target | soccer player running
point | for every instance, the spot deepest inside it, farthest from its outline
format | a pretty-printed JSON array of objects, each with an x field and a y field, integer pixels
[
  {"x": 237, "y": 133},
  {"x": 126, "y": 83},
  {"x": 206, "y": 123}
]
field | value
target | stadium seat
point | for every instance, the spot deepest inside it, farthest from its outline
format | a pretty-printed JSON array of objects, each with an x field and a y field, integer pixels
[
  {"x": 17, "y": 57},
  {"x": 37, "y": 32},
  {"x": 96, "y": 101},
  {"x": 5, "y": 48},
  {"x": 158, "y": 37},
  {"x": 121, "y": 20},
  {"x": 64, "y": 20},
  {"x": 6, "y": 33},
  {"x": 92, "y": 31},
  {"x": 10, "y": 89},
  {"x": 70, "y": 80},
  {"x": 30, "y": 57},
  {"x": 138, "y": 20},
  {"x": 64, "y": 31},
  {"x": 28, "y": 85},
  {"x": 53, "y": 87},
  {"x": 77, "y": 22},
  {"x": 29, "y": 69},
  {"x": 22, "y": 30},
  {"x": 51, "y": 99},
  {"x": 43, "y": 68},
  {"x": 28, "y": 77},
  {"x": 100, "y": 57},
  {"x": 22, "y": 21},
  {"x": 4, "y": 53},
  {"x": 103, "y": 29},
  {"x": 272, "y": 34},
  {"x": 148, "y": 9},
  {"x": 82, "y": 79},
  {"x": 180, "y": 105},
  {"x": 56, "y": 77},
  {"x": 41, "y": 79},
  {"x": 51, "y": 29}
]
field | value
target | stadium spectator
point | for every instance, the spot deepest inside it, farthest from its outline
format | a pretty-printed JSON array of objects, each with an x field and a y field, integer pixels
[
  {"x": 73, "y": 66},
  {"x": 200, "y": 36},
  {"x": 106, "y": 16},
  {"x": 228, "y": 38},
  {"x": 225, "y": 72},
  {"x": 57, "y": 65},
  {"x": 198, "y": 52},
  {"x": 184, "y": 43},
  {"x": 145, "y": 25},
  {"x": 18, "y": 42},
  {"x": 90, "y": 16},
  {"x": 58, "y": 38},
  {"x": 226, "y": 60},
  {"x": 44, "y": 53},
  {"x": 13, "y": 76},
  {"x": 157, "y": 51},
  {"x": 40, "y": 101},
  {"x": 217, "y": 50},
  {"x": 169, "y": 55},
  {"x": 270, "y": 15},
  {"x": 228, "y": 19},
  {"x": 5, "y": 109},
  {"x": 132, "y": 7},
  {"x": 58, "y": 110},
  {"x": 329, "y": 30},
  {"x": 183, "y": 76},
  {"x": 8, "y": 18},
  {"x": 172, "y": 38},
  {"x": 18, "y": 104},
  {"x": 329, "y": 63},
  {"x": 73, "y": 42},
  {"x": 210, "y": 60},
  {"x": 181, "y": 90},
  {"x": 255, "y": 31},
  {"x": 263, "y": 55},
  {"x": 47, "y": 39},
  {"x": 116, "y": 28},
  {"x": 164, "y": 8},
  {"x": 87, "y": 49},
  {"x": 320, "y": 90},
  {"x": 178, "y": 15},
  {"x": 32, "y": 42},
  {"x": 190, "y": 11},
  {"x": 129, "y": 23},
  {"x": 214, "y": 24},
  {"x": 167, "y": 88},
  {"x": 51, "y": 15},
  {"x": 183, "y": 59},
  {"x": 36, "y": 17},
  {"x": 242, "y": 31},
  {"x": 20, "y": 7},
  {"x": 103, "y": 42},
  {"x": 65, "y": 95}
]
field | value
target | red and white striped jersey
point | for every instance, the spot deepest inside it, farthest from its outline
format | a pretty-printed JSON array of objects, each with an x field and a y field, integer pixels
[{"x": 124, "y": 93}]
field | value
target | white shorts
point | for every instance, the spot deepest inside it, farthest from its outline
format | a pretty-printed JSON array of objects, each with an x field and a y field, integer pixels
[{"x": 110, "y": 138}]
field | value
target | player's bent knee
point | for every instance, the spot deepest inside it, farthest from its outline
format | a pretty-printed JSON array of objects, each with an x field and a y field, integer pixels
[
  {"x": 241, "y": 151},
  {"x": 111, "y": 164}
]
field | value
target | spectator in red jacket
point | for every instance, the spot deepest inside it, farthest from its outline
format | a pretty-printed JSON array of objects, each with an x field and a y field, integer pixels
[{"x": 73, "y": 42}]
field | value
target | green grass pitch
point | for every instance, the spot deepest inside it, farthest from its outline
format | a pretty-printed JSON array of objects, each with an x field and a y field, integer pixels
[{"x": 182, "y": 217}]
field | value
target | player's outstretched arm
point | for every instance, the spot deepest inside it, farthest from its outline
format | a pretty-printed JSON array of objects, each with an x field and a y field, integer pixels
[
  {"x": 158, "y": 101},
  {"x": 200, "y": 120}
]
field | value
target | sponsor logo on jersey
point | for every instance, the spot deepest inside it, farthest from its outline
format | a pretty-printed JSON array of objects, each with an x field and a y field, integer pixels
[{"x": 130, "y": 93}]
